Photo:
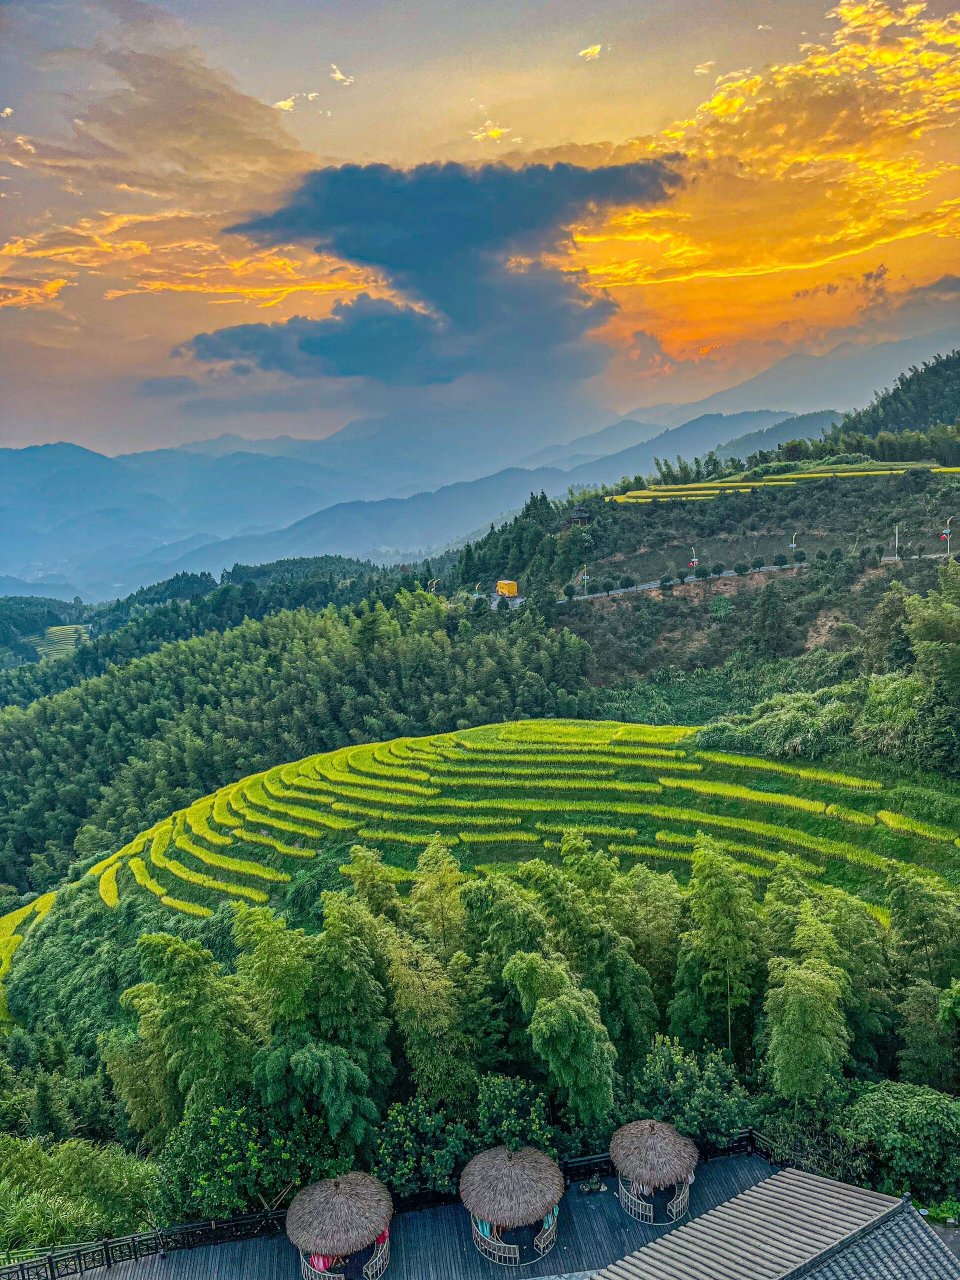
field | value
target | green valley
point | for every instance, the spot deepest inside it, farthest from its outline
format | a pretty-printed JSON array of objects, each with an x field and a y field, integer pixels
[{"x": 323, "y": 867}]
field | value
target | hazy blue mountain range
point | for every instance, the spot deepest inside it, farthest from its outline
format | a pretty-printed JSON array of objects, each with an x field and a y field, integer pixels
[
  {"x": 847, "y": 377},
  {"x": 618, "y": 435},
  {"x": 805, "y": 425},
  {"x": 52, "y": 588},
  {"x": 397, "y": 529},
  {"x": 74, "y": 521},
  {"x": 109, "y": 525},
  {"x": 696, "y": 437}
]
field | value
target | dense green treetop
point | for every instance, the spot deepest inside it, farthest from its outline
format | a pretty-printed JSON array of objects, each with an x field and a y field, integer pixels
[{"x": 85, "y": 768}]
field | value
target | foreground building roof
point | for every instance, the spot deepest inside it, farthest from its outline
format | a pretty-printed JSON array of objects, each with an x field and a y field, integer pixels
[{"x": 797, "y": 1224}]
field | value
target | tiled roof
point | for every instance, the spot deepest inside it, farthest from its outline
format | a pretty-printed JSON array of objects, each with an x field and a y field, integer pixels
[
  {"x": 901, "y": 1248},
  {"x": 796, "y": 1224}
]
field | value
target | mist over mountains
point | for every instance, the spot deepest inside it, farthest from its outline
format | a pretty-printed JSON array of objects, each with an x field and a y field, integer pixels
[
  {"x": 75, "y": 521},
  {"x": 846, "y": 377}
]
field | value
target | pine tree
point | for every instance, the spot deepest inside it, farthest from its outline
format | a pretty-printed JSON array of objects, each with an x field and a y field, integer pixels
[
  {"x": 197, "y": 1033},
  {"x": 806, "y": 1027},
  {"x": 928, "y": 1046},
  {"x": 886, "y": 645},
  {"x": 771, "y": 630},
  {"x": 435, "y": 898},
  {"x": 48, "y": 1114},
  {"x": 808, "y": 1034},
  {"x": 427, "y": 1009}
]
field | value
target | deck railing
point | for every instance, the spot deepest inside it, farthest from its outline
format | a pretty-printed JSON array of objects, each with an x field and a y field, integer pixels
[
  {"x": 680, "y": 1203},
  {"x": 101, "y": 1254},
  {"x": 635, "y": 1205},
  {"x": 76, "y": 1260},
  {"x": 507, "y": 1255}
]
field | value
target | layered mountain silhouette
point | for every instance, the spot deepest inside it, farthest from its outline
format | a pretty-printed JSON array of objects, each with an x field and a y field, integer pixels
[{"x": 105, "y": 526}]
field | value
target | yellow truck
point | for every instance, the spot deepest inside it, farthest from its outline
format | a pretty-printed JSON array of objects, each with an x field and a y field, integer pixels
[{"x": 506, "y": 588}]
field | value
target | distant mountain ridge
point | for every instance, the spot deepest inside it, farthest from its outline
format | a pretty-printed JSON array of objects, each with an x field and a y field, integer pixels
[
  {"x": 596, "y": 444},
  {"x": 71, "y": 516},
  {"x": 697, "y": 436},
  {"x": 393, "y": 529},
  {"x": 848, "y": 376},
  {"x": 803, "y": 425}
]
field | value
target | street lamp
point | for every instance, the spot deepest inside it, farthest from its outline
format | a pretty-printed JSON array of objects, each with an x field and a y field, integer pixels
[
  {"x": 793, "y": 543},
  {"x": 947, "y": 535},
  {"x": 693, "y": 558}
]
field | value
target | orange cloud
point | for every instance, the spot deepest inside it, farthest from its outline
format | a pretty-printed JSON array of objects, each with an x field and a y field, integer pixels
[
  {"x": 846, "y": 152},
  {"x": 30, "y": 293}
]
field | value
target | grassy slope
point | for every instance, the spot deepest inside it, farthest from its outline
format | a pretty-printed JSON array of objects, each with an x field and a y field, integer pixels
[{"x": 506, "y": 792}]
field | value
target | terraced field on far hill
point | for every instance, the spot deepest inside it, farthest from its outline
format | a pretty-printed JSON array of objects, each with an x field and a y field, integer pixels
[
  {"x": 708, "y": 490},
  {"x": 503, "y": 793},
  {"x": 58, "y": 642}
]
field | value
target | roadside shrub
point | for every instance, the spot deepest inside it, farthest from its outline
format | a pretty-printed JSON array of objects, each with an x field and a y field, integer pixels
[
  {"x": 699, "y": 1094},
  {"x": 512, "y": 1113},
  {"x": 66, "y": 1192}
]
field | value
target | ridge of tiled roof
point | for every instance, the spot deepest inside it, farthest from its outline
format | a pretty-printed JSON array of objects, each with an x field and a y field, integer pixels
[{"x": 898, "y": 1247}]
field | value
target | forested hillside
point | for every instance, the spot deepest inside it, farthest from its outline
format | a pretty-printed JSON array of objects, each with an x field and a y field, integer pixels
[
  {"x": 187, "y": 605},
  {"x": 918, "y": 400},
  {"x": 314, "y": 868},
  {"x": 96, "y": 762},
  {"x": 403, "y": 1026},
  {"x": 24, "y": 620}
]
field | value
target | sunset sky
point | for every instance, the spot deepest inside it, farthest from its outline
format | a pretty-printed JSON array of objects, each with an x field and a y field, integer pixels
[{"x": 278, "y": 217}]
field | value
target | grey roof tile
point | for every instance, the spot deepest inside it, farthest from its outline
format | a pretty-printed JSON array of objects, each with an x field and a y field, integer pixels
[
  {"x": 796, "y": 1224},
  {"x": 901, "y": 1248}
]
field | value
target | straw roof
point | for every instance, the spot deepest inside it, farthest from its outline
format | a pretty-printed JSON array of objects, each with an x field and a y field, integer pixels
[
  {"x": 653, "y": 1154},
  {"x": 511, "y": 1188},
  {"x": 339, "y": 1215}
]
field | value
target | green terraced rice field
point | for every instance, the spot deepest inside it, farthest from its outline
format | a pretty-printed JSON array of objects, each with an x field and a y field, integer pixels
[
  {"x": 503, "y": 793},
  {"x": 58, "y": 642}
]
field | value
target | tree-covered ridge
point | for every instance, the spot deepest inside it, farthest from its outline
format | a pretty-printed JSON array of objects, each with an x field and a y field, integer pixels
[
  {"x": 918, "y": 400},
  {"x": 400, "y": 1027},
  {"x": 188, "y": 605},
  {"x": 545, "y": 549},
  {"x": 87, "y": 768},
  {"x": 23, "y": 622}
]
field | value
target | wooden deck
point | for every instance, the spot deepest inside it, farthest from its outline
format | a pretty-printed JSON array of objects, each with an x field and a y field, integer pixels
[{"x": 435, "y": 1244}]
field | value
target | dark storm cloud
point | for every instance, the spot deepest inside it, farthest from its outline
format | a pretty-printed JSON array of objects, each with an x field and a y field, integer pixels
[
  {"x": 944, "y": 289},
  {"x": 463, "y": 245},
  {"x": 368, "y": 337}
]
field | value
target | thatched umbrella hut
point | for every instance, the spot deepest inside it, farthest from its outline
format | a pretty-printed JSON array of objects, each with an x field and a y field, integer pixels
[
  {"x": 332, "y": 1219},
  {"x": 504, "y": 1190},
  {"x": 650, "y": 1156}
]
